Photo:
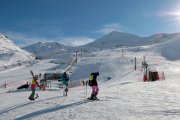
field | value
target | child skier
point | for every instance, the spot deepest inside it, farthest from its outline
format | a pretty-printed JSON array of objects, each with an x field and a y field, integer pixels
[
  {"x": 94, "y": 85},
  {"x": 65, "y": 80},
  {"x": 34, "y": 85}
]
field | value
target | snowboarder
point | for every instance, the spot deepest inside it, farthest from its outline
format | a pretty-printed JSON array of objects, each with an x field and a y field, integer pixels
[
  {"x": 94, "y": 85},
  {"x": 34, "y": 85},
  {"x": 65, "y": 80}
]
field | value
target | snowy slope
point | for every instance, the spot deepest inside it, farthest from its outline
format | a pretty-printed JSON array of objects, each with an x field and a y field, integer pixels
[
  {"x": 124, "y": 97},
  {"x": 170, "y": 50},
  {"x": 12, "y": 54}
]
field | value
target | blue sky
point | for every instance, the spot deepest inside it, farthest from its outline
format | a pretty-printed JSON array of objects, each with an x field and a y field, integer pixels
[{"x": 81, "y": 21}]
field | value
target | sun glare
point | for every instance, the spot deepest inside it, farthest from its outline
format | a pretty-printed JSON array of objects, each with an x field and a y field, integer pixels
[
  {"x": 173, "y": 13},
  {"x": 174, "y": 16}
]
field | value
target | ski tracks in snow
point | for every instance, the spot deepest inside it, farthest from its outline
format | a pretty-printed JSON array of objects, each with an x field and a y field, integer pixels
[{"x": 27, "y": 106}]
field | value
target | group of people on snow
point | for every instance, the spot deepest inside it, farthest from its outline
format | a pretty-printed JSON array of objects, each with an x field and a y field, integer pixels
[{"x": 92, "y": 82}]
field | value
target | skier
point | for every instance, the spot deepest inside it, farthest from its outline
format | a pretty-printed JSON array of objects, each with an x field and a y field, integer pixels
[
  {"x": 94, "y": 85},
  {"x": 34, "y": 85},
  {"x": 65, "y": 80}
]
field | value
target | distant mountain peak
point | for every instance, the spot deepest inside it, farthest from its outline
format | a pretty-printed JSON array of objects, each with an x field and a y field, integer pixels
[
  {"x": 114, "y": 32},
  {"x": 47, "y": 49},
  {"x": 116, "y": 39}
]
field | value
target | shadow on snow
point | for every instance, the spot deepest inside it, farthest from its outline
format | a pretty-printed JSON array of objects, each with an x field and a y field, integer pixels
[
  {"x": 24, "y": 104},
  {"x": 53, "y": 109}
]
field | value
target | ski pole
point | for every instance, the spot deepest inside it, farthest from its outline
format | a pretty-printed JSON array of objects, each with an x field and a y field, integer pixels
[{"x": 86, "y": 89}]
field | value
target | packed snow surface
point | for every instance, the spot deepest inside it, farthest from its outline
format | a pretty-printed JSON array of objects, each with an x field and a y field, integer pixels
[
  {"x": 123, "y": 93},
  {"x": 123, "y": 97}
]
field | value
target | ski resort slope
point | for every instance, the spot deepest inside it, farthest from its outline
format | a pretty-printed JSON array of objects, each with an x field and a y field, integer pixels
[{"x": 123, "y": 97}]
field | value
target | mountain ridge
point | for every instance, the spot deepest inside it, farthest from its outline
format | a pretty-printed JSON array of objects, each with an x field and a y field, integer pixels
[
  {"x": 119, "y": 39},
  {"x": 47, "y": 50}
]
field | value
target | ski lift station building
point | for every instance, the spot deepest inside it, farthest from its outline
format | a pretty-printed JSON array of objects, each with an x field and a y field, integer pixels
[{"x": 52, "y": 80}]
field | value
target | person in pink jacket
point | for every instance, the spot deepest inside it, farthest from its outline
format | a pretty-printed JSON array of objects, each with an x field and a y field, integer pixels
[{"x": 94, "y": 85}]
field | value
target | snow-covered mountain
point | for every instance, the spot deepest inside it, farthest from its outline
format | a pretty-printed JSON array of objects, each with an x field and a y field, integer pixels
[
  {"x": 115, "y": 40},
  {"x": 112, "y": 40},
  {"x": 119, "y": 39},
  {"x": 47, "y": 50},
  {"x": 12, "y": 54}
]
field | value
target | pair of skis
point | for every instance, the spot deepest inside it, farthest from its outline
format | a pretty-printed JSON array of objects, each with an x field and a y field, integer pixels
[
  {"x": 85, "y": 91},
  {"x": 89, "y": 98},
  {"x": 32, "y": 74}
]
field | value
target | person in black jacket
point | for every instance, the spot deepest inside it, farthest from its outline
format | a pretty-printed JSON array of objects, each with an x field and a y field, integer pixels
[{"x": 94, "y": 85}]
